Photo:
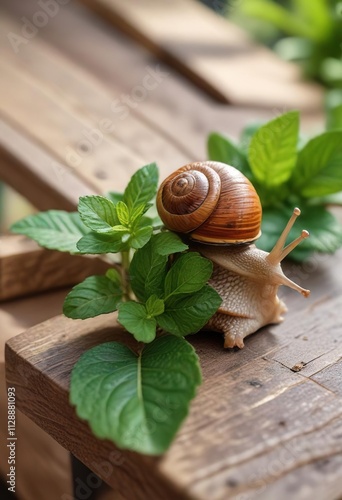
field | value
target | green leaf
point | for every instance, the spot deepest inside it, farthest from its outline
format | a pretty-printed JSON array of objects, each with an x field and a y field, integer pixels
[
  {"x": 186, "y": 314},
  {"x": 138, "y": 211},
  {"x": 279, "y": 17},
  {"x": 147, "y": 272},
  {"x": 135, "y": 319},
  {"x": 54, "y": 229},
  {"x": 114, "y": 276},
  {"x": 142, "y": 186},
  {"x": 188, "y": 274},
  {"x": 221, "y": 149},
  {"x": 94, "y": 243},
  {"x": 122, "y": 213},
  {"x": 94, "y": 296},
  {"x": 98, "y": 213},
  {"x": 154, "y": 306},
  {"x": 247, "y": 134},
  {"x": 141, "y": 237},
  {"x": 319, "y": 166},
  {"x": 273, "y": 150},
  {"x": 138, "y": 401},
  {"x": 334, "y": 109},
  {"x": 167, "y": 243},
  {"x": 325, "y": 231}
]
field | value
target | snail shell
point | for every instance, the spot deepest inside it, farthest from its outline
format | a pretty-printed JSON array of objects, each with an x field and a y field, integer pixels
[{"x": 213, "y": 202}]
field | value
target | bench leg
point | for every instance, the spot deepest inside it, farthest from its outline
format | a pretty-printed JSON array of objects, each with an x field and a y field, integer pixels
[{"x": 86, "y": 484}]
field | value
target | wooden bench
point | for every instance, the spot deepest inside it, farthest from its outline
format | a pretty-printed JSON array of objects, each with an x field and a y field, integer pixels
[{"x": 267, "y": 420}]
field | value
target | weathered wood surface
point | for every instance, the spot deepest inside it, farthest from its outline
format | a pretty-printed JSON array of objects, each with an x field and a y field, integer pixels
[
  {"x": 257, "y": 429},
  {"x": 26, "y": 268},
  {"x": 75, "y": 90},
  {"x": 217, "y": 55},
  {"x": 34, "y": 173},
  {"x": 42, "y": 464}
]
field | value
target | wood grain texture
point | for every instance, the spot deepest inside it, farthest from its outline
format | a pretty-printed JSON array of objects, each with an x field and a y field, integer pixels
[
  {"x": 255, "y": 429},
  {"x": 36, "y": 174},
  {"x": 42, "y": 465},
  {"x": 61, "y": 132},
  {"x": 26, "y": 268},
  {"x": 174, "y": 110},
  {"x": 86, "y": 96},
  {"x": 212, "y": 52}
]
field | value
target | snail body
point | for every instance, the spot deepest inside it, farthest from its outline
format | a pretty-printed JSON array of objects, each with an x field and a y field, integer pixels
[{"x": 218, "y": 209}]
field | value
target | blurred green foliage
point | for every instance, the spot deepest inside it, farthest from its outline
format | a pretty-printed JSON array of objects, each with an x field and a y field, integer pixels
[{"x": 306, "y": 31}]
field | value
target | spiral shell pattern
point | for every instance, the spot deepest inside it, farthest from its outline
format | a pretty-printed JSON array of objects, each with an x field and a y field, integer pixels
[{"x": 213, "y": 202}]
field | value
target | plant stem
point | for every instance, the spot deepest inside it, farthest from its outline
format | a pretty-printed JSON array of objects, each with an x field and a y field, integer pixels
[{"x": 125, "y": 261}]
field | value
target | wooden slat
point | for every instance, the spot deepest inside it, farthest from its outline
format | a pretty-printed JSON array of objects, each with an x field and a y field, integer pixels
[
  {"x": 182, "y": 114},
  {"x": 215, "y": 54},
  {"x": 57, "y": 129},
  {"x": 89, "y": 98},
  {"x": 37, "y": 175},
  {"x": 26, "y": 268},
  {"x": 252, "y": 411}
]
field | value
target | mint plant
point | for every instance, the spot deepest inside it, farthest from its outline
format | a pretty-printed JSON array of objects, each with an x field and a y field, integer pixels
[
  {"x": 287, "y": 171},
  {"x": 135, "y": 397}
]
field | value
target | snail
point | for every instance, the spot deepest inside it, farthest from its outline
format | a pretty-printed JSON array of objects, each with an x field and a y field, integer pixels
[{"x": 219, "y": 211}]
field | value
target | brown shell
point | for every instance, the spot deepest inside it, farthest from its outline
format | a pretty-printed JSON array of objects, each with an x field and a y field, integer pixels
[{"x": 213, "y": 202}]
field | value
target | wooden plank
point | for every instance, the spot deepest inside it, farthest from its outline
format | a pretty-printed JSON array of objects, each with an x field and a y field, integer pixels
[
  {"x": 218, "y": 451},
  {"x": 26, "y": 268},
  {"x": 212, "y": 52},
  {"x": 183, "y": 114},
  {"x": 62, "y": 133},
  {"x": 331, "y": 376},
  {"x": 88, "y": 97},
  {"x": 36, "y": 174}
]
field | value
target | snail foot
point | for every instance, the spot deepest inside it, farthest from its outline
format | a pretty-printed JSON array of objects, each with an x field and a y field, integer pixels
[{"x": 231, "y": 340}]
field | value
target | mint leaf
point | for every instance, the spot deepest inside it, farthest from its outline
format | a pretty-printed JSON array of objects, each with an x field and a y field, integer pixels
[
  {"x": 167, "y": 243},
  {"x": 333, "y": 108},
  {"x": 54, "y": 229},
  {"x": 247, "y": 134},
  {"x": 138, "y": 211},
  {"x": 142, "y": 187},
  {"x": 325, "y": 231},
  {"x": 154, "y": 306},
  {"x": 122, "y": 213},
  {"x": 273, "y": 150},
  {"x": 114, "y": 275},
  {"x": 98, "y": 213},
  {"x": 94, "y": 243},
  {"x": 186, "y": 314},
  {"x": 94, "y": 296},
  {"x": 319, "y": 166},
  {"x": 221, "y": 149},
  {"x": 135, "y": 319},
  {"x": 141, "y": 236},
  {"x": 147, "y": 272},
  {"x": 188, "y": 274},
  {"x": 138, "y": 401}
]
